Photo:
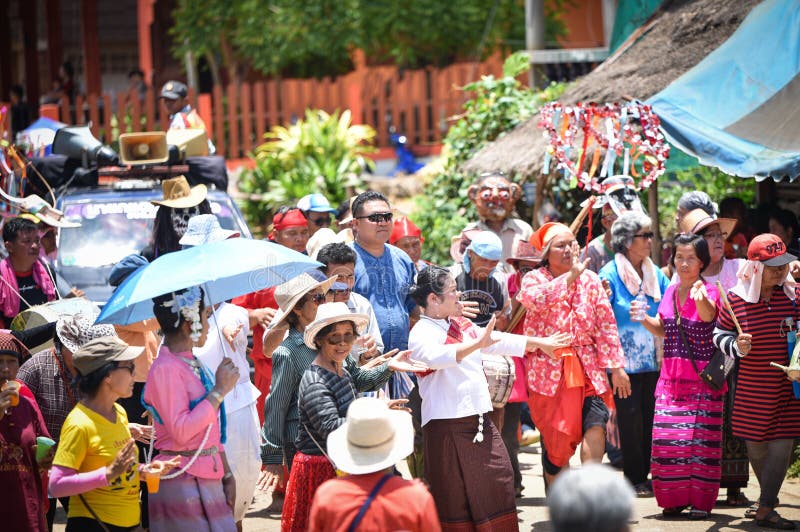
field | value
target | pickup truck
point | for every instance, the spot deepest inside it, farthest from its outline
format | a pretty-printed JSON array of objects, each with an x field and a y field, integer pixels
[{"x": 117, "y": 220}]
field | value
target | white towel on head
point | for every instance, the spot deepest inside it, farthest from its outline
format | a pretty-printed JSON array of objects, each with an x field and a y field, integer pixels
[{"x": 749, "y": 285}]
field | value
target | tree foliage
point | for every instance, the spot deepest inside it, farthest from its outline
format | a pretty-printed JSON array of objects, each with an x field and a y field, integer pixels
[
  {"x": 321, "y": 153},
  {"x": 315, "y": 38},
  {"x": 497, "y": 106}
]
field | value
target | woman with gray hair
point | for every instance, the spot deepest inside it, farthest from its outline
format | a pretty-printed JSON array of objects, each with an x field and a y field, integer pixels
[{"x": 635, "y": 286}]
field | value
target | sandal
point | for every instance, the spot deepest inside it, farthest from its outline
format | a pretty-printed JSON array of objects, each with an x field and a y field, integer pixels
[
  {"x": 736, "y": 500},
  {"x": 697, "y": 515},
  {"x": 674, "y": 511},
  {"x": 751, "y": 512},
  {"x": 773, "y": 520}
]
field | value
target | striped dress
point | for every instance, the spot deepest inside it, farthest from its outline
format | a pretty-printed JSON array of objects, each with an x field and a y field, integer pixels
[
  {"x": 764, "y": 408},
  {"x": 687, "y": 427}
]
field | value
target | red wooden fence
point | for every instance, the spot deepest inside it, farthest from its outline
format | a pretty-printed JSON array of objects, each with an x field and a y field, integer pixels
[{"x": 417, "y": 102}]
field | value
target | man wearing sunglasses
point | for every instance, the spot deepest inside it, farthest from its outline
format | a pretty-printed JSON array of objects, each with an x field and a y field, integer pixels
[
  {"x": 383, "y": 275},
  {"x": 317, "y": 211}
]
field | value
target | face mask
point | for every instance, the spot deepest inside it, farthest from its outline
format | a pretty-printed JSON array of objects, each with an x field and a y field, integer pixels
[{"x": 180, "y": 219}]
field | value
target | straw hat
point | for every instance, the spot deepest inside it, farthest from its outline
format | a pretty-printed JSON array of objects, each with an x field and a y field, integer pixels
[
  {"x": 288, "y": 294},
  {"x": 328, "y": 314},
  {"x": 696, "y": 220},
  {"x": 203, "y": 229},
  {"x": 178, "y": 194},
  {"x": 373, "y": 437}
]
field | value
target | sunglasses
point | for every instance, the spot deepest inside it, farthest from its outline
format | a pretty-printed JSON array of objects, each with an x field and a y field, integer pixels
[
  {"x": 341, "y": 339},
  {"x": 321, "y": 222},
  {"x": 316, "y": 298},
  {"x": 377, "y": 217},
  {"x": 129, "y": 367},
  {"x": 647, "y": 235}
]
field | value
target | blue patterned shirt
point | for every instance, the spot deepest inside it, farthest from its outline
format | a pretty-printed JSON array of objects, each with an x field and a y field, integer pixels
[{"x": 637, "y": 344}]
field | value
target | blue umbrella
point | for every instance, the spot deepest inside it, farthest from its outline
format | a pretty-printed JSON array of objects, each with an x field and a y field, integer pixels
[{"x": 224, "y": 270}]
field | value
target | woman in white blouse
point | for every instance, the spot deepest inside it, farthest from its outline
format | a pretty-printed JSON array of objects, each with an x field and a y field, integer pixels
[{"x": 466, "y": 463}]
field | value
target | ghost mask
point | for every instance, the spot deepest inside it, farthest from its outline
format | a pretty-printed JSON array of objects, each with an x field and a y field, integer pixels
[
  {"x": 494, "y": 197},
  {"x": 180, "y": 219}
]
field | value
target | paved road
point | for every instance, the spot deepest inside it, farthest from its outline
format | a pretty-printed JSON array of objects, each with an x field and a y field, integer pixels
[{"x": 533, "y": 512}]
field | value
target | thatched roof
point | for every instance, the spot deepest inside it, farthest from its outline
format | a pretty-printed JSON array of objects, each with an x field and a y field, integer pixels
[{"x": 680, "y": 35}]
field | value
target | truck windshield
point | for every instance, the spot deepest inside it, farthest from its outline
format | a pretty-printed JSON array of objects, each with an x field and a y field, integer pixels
[{"x": 113, "y": 230}]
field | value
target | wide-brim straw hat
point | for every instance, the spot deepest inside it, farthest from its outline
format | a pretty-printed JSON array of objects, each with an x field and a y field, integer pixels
[
  {"x": 328, "y": 314},
  {"x": 178, "y": 194},
  {"x": 372, "y": 438},
  {"x": 288, "y": 294},
  {"x": 696, "y": 220}
]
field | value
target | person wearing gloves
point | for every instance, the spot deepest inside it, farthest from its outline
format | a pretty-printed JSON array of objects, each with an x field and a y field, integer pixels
[{"x": 466, "y": 462}]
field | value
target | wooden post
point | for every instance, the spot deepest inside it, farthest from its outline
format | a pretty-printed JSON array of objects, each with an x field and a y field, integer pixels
[
  {"x": 204, "y": 110},
  {"x": 29, "y": 39},
  {"x": 144, "y": 20},
  {"x": 54, "y": 44},
  {"x": 5, "y": 52},
  {"x": 91, "y": 47},
  {"x": 247, "y": 122},
  {"x": 652, "y": 200}
]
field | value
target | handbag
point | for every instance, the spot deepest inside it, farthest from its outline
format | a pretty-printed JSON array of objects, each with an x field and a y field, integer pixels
[{"x": 717, "y": 369}]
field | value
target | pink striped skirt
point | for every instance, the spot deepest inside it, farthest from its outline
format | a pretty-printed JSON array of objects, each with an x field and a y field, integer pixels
[
  {"x": 687, "y": 451},
  {"x": 190, "y": 503}
]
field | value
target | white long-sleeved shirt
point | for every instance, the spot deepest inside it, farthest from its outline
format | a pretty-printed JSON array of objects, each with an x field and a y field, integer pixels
[{"x": 455, "y": 389}]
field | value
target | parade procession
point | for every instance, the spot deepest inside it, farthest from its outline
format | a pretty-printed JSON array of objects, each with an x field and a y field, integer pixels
[{"x": 507, "y": 265}]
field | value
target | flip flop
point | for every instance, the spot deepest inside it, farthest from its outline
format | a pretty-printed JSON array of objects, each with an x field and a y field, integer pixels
[
  {"x": 735, "y": 501},
  {"x": 773, "y": 520},
  {"x": 750, "y": 513},
  {"x": 697, "y": 515}
]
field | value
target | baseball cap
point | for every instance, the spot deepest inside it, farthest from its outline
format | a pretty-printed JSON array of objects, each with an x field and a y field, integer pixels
[
  {"x": 100, "y": 351},
  {"x": 315, "y": 203},
  {"x": 770, "y": 250},
  {"x": 172, "y": 90}
]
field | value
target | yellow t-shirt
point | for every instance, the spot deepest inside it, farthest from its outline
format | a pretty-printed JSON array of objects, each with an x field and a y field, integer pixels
[{"x": 88, "y": 442}]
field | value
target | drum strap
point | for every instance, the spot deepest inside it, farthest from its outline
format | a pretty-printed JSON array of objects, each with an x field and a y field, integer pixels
[
  {"x": 15, "y": 291},
  {"x": 64, "y": 378}
]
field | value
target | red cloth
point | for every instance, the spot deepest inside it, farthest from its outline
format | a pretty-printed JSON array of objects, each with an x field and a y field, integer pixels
[
  {"x": 400, "y": 505},
  {"x": 308, "y": 474},
  {"x": 292, "y": 218},
  {"x": 262, "y": 365}
]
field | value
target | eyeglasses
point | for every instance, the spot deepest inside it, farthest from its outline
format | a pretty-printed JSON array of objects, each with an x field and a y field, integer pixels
[
  {"x": 377, "y": 217},
  {"x": 129, "y": 367},
  {"x": 341, "y": 339},
  {"x": 646, "y": 236},
  {"x": 715, "y": 236},
  {"x": 524, "y": 269},
  {"x": 345, "y": 291},
  {"x": 321, "y": 222}
]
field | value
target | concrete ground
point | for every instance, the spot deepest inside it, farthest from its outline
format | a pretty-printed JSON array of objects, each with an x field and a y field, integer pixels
[{"x": 533, "y": 514}]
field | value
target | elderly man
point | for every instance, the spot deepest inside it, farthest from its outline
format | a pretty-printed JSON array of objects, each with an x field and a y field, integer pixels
[
  {"x": 383, "y": 275},
  {"x": 479, "y": 279}
]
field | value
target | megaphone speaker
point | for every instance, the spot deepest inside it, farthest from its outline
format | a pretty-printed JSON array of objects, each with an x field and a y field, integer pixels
[
  {"x": 190, "y": 142},
  {"x": 143, "y": 148},
  {"x": 77, "y": 142}
]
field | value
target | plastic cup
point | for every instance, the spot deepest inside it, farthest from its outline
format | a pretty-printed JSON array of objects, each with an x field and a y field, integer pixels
[
  {"x": 43, "y": 445},
  {"x": 14, "y": 386},
  {"x": 153, "y": 480}
]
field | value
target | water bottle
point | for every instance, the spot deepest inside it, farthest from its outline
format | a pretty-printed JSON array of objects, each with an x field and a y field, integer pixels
[{"x": 640, "y": 306}]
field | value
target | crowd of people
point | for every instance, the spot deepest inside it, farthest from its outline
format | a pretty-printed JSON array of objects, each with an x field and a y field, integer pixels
[{"x": 380, "y": 356}]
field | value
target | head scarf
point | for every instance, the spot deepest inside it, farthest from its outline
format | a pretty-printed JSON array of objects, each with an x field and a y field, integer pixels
[
  {"x": 749, "y": 285},
  {"x": 285, "y": 220},
  {"x": 548, "y": 232},
  {"x": 404, "y": 227},
  {"x": 486, "y": 245}
]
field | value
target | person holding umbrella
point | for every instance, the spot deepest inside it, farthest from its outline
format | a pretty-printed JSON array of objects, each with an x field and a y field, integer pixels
[{"x": 186, "y": 403}]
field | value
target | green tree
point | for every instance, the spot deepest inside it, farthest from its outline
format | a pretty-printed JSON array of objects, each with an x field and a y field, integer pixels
[{"x": 497, "y": 106}]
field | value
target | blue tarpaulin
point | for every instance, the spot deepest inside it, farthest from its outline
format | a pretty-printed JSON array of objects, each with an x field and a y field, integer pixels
[{"x": 739, "y": 108}]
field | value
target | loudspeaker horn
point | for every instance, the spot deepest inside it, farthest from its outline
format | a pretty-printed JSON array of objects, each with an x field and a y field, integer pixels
[
  {"x": 190, "y": 142},
  {"x": 77, "y": 142},
  {"x": 149, "y": 147}
]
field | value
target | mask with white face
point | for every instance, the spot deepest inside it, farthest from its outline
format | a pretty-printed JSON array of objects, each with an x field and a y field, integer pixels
[{"x": 180, "y": 219}]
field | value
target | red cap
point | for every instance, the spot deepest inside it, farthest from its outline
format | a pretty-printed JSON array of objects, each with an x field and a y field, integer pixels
[
  {"x": 770, "y": 250},
  {"x": 290, "y": 218},
  {"x": 404, "y": 227}
]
